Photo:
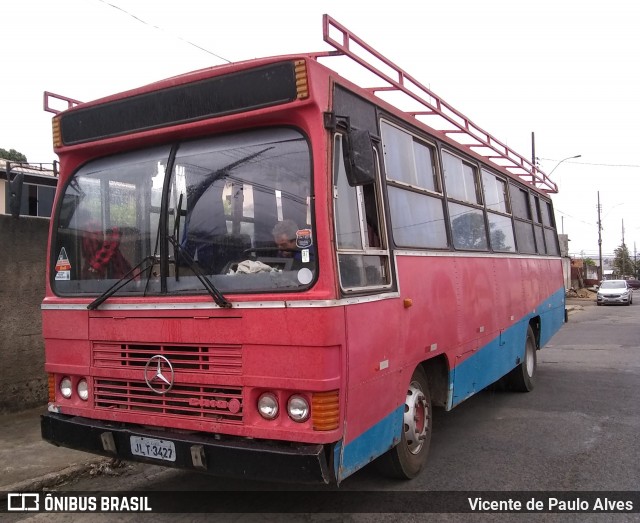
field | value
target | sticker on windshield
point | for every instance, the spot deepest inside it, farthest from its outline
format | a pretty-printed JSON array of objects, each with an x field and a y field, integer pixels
[
  {"x": 303, "y": 238},
  {"x": 63, "y": 266},
  {"x": 305, "y": 276}
]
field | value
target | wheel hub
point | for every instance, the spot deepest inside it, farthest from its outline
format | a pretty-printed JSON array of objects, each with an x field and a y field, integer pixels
[{"x": 416, "y": 418}]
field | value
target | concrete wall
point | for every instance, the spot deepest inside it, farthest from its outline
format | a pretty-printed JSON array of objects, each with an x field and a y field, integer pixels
[{"x": 23, "y": 246}]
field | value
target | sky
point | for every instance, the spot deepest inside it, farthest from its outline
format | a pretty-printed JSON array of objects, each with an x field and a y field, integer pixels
[{"x": 564, "y": 70}]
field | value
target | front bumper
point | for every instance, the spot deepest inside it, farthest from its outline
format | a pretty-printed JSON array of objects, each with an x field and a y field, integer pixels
[
  {"x": 613, "y": 299},
  {"x": 250, "y": 459}
]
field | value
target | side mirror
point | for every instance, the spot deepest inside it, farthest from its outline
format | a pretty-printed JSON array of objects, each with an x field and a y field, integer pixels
[
  {"x": 15, "y": 193},
  {"x": 358, "y": 158}
]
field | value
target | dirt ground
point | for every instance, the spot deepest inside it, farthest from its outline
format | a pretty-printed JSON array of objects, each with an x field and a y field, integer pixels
[{"x": 581, "y": 293}]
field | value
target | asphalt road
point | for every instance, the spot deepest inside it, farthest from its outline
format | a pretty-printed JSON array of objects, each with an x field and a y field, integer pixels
[{"x": 577, "y": 431}]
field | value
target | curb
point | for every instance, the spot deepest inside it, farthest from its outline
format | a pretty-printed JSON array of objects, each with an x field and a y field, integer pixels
[
  {"x": 574, "y": 308},
  {"x": 50, "y": 479}
]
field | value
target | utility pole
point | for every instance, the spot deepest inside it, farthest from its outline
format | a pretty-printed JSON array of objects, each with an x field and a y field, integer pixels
[
  {"x": 599, "y": 238},
  {"x": 625, "y": 253},
  {"x": 533, "y": 150}
]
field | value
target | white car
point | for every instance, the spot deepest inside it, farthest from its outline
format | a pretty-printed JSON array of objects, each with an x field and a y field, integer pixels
[{"x": 614, "y": 291}]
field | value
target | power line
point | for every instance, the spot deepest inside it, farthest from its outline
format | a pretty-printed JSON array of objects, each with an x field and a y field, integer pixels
[
  {"x": 573, "y": 217},
  {"x": 627, "y": 165},
  {"x": 164, "y": 30},
  {"x": 590, "y": 254}
]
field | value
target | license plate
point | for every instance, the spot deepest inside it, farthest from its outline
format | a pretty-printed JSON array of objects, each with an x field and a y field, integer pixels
[{"x": 153, "y": 448}]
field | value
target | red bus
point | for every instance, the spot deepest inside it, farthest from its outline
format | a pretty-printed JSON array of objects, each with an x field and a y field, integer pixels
[{"x": 264, "y": 270}]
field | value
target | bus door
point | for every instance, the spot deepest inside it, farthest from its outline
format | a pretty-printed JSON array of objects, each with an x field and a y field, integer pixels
[{"x": 364, "y": 272}]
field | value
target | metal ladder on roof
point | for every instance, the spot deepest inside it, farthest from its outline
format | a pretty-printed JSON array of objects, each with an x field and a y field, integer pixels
[
  {"x": 455, "y": 124},
  {"x": 51, "y": 100}
]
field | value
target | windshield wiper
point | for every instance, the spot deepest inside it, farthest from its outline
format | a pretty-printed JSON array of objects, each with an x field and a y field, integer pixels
[
  {"x": 176, "y": 232},
  {"x": 196, "y": 191},
  {"x": 217, "y": 296},
  {"x": 133, "y": 273}
]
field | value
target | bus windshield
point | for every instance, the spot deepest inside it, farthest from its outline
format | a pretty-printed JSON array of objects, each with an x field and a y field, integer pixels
[{"x": 236, "y": 208}]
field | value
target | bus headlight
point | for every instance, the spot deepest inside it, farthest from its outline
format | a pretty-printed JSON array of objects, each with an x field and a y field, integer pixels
[
  {"x": 83, "y": 389},
  {"x": 298, "y": 408},
  {"x": 65, "y": 387},
  {"x": 268, "y": 406}
]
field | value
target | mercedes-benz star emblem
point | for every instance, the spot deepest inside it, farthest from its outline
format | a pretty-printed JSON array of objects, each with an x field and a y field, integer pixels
[{"x": 158, "y": 373}]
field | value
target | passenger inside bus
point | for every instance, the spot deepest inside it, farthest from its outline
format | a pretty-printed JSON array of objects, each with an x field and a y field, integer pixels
[{"x": 101, "y": 253}]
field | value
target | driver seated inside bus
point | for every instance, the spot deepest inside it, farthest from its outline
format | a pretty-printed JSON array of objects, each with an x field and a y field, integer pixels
[{"x": 292, "y": 242}]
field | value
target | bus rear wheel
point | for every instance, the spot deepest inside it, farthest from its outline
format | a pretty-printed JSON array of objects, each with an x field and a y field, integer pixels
[
  {"x": 522, "y": 378},
  {"x": 407, "y": 459}
]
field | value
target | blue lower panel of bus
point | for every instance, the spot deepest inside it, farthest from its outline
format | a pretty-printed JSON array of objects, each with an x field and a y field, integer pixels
[
  {"x": 371, "y": 444},
  {"x": 488, "y": 364},
  {"x": 492, "y": 361}
]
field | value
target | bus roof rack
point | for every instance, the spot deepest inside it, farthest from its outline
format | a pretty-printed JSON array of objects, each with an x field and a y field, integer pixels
[
  {"x": 51, "y": 100},
  {"x": 440, "y": 115}
]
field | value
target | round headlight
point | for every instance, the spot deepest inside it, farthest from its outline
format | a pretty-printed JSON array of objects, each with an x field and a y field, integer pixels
[
  {"x": 298, "y": 408},
  {"x": 65, "y": 387},
  {"x": 83, "y": 389},
  {"x": 268, "y": 406}
]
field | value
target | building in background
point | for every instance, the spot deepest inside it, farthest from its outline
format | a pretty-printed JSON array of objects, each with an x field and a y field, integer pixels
[{"x": 38, "y": 190}]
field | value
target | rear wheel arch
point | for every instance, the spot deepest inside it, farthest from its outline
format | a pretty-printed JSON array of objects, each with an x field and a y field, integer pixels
[
  {"x": 523, "y": 377},
  {"x": 536, "y": 326}
]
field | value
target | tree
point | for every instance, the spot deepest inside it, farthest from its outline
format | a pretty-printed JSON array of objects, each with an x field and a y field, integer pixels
[
  {"x": 636, "y": 268},
  {"x": 12, "y": 155},
  {"x": 498, "y": 238},
  {"x": 622, "y": 263},
  {"x": 469, "y": 231}
]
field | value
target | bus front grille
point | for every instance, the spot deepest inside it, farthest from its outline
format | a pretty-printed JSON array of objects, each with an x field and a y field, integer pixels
[
  {"x": 204, "y": 359},
  {"x": 208, "y": 403}
]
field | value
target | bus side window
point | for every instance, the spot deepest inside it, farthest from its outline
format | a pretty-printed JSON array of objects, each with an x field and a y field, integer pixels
[{"x": 362, "y": 256}]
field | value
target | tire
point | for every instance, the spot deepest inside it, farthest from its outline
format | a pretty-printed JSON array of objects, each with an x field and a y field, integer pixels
[
  {"x": 522, "y": 378},
  {"x": 407, "y": 459}
]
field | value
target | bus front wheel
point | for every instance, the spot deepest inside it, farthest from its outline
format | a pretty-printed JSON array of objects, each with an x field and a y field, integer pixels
[{"x": 407, "y": 458}]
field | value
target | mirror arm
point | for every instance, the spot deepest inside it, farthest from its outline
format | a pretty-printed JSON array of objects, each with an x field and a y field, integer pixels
[{"x": 334, "y": 122}]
